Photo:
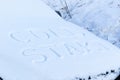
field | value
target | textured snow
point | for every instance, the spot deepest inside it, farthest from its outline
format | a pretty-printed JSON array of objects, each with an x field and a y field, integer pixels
[
  {"x": 102, "y": 17},
  {"x": 36, "y": 44}
]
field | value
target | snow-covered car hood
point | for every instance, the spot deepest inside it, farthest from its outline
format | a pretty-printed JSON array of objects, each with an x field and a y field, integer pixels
[{"x": 36, "y": 44}]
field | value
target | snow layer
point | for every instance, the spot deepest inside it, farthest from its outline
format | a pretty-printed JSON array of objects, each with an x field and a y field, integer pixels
[
  {"x": 102, "y": 17},
  {"x": 36, "y": 44}
]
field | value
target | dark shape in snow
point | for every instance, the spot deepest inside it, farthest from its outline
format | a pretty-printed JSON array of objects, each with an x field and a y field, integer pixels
[
  {"x": 58, "y": 12},
  {"x": 1, "y": 78},
  {"x": 118, "y": 78}
]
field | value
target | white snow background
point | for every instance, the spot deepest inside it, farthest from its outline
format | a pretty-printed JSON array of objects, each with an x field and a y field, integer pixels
[{"x": 36, "y": 44}]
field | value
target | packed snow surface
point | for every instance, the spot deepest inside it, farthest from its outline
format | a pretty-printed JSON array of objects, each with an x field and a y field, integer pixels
[{"x": 36, "y": 44}]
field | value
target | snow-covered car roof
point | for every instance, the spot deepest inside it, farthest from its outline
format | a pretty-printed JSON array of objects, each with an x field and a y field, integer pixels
[{"x": 36, "y": 44}]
